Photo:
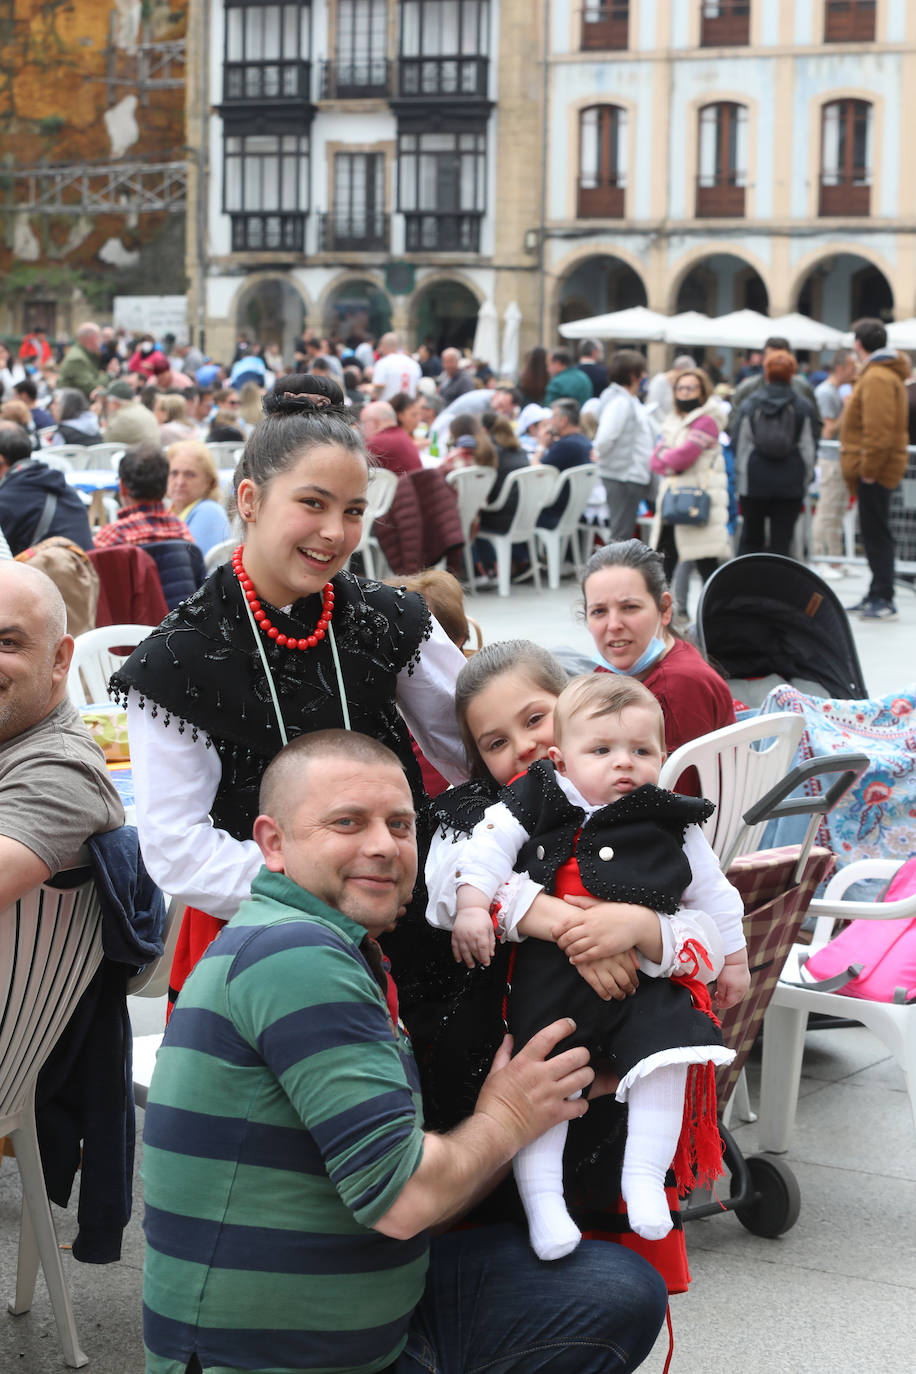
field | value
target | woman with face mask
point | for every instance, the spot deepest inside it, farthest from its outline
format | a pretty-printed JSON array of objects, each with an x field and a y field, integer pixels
[
  {"x": 689, "y": 455},
  {"x": 627, "y": 609}
]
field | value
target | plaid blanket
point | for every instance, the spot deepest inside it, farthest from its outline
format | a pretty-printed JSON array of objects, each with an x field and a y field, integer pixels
[{"x": 773, "y": 912}]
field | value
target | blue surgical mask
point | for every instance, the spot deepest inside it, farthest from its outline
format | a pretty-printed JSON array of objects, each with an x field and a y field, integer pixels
[{"x": 653, "y": 650}]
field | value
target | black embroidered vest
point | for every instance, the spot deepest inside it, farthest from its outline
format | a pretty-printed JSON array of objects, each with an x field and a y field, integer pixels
[
  {"x": 630, "y": 851},
  {"x": 201, "y": 670}
]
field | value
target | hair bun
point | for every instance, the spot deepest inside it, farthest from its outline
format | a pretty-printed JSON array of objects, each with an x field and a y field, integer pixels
[{"x": 303, "y": 394}]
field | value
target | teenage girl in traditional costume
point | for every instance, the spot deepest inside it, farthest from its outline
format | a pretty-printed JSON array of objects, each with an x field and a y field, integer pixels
[{"x": 279, "y": 642}]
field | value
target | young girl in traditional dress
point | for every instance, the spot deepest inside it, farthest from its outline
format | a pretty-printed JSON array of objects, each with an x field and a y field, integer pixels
[{"x": 597, "y": 818}]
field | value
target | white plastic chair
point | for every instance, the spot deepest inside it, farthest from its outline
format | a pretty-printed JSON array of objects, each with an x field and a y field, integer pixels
[
  {"x": 382, "y": 487},
  {"x": 734, "y": 774},
  {"x": 105, "y": 455},
  {"x": 50, "y": 947},
  {"x": 153, "y": 981},
  {"x": 57, "y": 460},
  {"x": 471, "y": 486},
  {"x": 74, "y": 453},
  {"x": 786, "y": 1017},
  {"x": 226, "y": 452},
  {"x": 93, "y": 662},
  {"x": 220, "y": 553},
  {"x": 578, "y": 483},
  {"x": 534, "y": 486}
]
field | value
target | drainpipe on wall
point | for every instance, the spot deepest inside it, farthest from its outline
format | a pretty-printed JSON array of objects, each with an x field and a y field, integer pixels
[
  {"x": 203, "y": 166},
  {"x": 545, "y": 93}
]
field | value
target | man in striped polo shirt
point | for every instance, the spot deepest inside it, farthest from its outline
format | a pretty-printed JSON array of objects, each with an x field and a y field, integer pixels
[{"x": 289, "y": 1182}]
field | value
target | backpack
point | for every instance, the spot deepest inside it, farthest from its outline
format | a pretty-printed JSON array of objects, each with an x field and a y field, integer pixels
[
  {"x": 71, "y": 570},
  {"x": 878, "y": 956},
  {"x": 775, "y": 432}
]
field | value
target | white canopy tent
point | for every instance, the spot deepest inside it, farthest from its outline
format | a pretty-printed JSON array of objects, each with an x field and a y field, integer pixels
[{"x": 637, "y": 325}]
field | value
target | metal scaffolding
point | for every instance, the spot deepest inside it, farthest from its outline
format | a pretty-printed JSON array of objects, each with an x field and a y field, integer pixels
[{"x": 99, "y": 188}]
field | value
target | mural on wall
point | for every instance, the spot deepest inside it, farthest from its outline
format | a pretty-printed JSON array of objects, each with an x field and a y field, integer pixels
[{"x": 89, "y": 91}]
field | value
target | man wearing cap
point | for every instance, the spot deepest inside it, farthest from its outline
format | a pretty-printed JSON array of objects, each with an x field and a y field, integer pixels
[
  {"x": 387, "y": 442},
  {"x": 127, "y": 420}
]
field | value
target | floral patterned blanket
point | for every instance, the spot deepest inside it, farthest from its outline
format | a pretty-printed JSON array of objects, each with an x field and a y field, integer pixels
[{"x": 876, "y": 817}]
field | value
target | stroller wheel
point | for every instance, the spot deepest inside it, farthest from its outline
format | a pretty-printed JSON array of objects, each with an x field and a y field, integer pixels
[{"x": 777, "y": 1197}]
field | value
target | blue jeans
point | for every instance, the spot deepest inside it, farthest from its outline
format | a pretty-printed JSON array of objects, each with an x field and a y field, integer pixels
[{"x": 491, "y": 1305}]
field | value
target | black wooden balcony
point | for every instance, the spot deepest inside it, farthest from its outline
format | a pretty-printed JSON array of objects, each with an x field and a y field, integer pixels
[
  {"x": 428, "y": 231},
  {"x": 452, "y": 78},
  {"x": 370, "y": 80},
  {"x": 340, "y": 232},
  {"x": 266, "y": 83},
  {"x": 268, "y": 232}
]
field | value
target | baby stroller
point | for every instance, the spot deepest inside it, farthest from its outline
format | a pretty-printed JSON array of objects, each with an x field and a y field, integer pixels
[{"x": 764, "y": 620}]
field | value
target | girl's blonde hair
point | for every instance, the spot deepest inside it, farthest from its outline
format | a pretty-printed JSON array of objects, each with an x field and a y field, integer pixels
[{"x": 489, "y": 663}]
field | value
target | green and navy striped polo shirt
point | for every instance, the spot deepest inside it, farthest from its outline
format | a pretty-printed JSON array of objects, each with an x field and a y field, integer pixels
[{"x": 284, "y": 1119}]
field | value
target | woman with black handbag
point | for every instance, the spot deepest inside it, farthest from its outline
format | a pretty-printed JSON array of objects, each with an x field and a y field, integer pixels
[{"x": 691, "y": 511}]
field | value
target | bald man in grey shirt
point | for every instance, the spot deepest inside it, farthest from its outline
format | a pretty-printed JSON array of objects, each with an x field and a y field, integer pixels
[{"x": 54, "y": 788}]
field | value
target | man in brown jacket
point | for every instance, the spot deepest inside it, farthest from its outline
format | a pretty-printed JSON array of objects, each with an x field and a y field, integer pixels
[{"x": 873, "y": 438}]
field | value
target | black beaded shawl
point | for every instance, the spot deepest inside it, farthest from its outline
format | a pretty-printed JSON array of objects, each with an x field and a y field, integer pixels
[
  {"x": 629, "y": 851},
  {"x": 201, "y": 670}
]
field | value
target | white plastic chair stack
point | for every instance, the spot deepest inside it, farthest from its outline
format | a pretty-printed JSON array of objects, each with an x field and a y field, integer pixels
[
  {"x": 471, "y": 486},
  {"x": 577, "y": 483},
  {"x": 786, "y": 1017},
  {"x": 380, "y": 494},
  {"x": 534, "y": 487},
  {"x": 50, "y": 947},
  {"x": 93, "y": 662}
]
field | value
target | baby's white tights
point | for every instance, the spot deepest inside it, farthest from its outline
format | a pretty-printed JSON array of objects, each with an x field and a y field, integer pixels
[{"x": 656, "y": 1111}]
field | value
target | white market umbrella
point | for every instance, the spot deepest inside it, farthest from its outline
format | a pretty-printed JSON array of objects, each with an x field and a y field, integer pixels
[
  {"x": 635, "y": 325},
  {"x": 675, "y": 325},
  {"x": 803, "y": 332},
  {"x": 486, "y": 335},
  {"x": 901, "y": 334},
  {"x": 739, "y": 329},
  {"x": 508, "y": 357}
]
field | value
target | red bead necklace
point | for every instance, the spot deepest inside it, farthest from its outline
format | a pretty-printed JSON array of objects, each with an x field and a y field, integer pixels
[{"x": 285, "y": 641}]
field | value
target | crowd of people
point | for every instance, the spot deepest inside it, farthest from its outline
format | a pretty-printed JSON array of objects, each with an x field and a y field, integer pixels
[{"x": 373, "y": 889}]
